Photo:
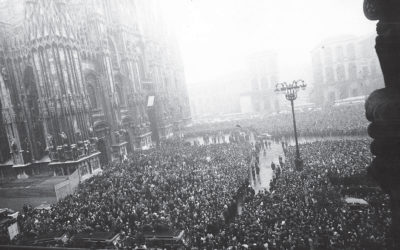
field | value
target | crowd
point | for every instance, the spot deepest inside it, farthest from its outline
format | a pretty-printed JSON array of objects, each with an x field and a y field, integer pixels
[
  {"x": 198, "y": 188},
  {"x": 304, "y": 210},
  {"x": 348, "y": 120},
  {"x": 332, "y": 121},
  {"x": 191, "y": 188}
]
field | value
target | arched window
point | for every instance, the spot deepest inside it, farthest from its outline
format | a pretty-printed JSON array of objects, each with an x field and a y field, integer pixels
[
  {"x": 113, "y": 54},
  {"x": 119, "y": 88},
  {"x": 141, "y": 68},
  {"x": 121, "y": 97},
  {"x": 91, "y": 85},
  {"x": 92, "y": 96}
]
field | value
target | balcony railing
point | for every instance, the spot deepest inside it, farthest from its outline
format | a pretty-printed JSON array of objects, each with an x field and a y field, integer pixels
[{"x": 73, "y": 152}]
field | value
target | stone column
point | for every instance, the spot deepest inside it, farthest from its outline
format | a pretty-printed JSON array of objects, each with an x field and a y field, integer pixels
[{"x": 383, "y": 106}]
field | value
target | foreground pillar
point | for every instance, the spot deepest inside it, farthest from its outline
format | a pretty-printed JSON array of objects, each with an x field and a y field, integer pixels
[{"x": 383, "y": 106}]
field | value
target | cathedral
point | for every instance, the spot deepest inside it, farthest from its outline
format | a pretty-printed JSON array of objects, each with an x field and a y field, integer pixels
[{"x": 85, "y": 82}]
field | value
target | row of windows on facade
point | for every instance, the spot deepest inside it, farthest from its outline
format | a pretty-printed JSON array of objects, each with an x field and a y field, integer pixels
[
  {"x": 340, "y": 54},
  {"x": 264, "y": 83},
  {"x": 343, "y": 94},
  {"x": 345, "y": 72}
]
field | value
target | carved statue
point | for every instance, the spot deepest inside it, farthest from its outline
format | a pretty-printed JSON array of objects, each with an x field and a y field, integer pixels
[
  {"x": 13, "y": 145},
  {"x": 50, "y": 141},
  {"x": 64, "y": 137},
  {"x": 4, "y": 73}
]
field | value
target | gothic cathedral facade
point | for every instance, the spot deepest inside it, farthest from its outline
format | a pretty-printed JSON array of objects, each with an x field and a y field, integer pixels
[{"x": 84, "y": 82}]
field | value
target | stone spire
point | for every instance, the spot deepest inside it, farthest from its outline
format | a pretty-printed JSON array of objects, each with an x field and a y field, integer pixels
[{"x": 47, "y": 19}]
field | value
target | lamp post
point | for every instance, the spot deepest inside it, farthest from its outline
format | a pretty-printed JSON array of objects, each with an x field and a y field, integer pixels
[{"x": 290, "y": 90}]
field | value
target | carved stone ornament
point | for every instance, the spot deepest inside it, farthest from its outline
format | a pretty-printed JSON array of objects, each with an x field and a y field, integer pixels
[
  {"x": 371, "y": 9},
  {"x": 382, "y": 10},
  {"x": 383, "y": 107}
]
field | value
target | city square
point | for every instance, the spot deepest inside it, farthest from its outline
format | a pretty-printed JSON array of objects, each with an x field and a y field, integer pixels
[{"x": 199, "y": 124}]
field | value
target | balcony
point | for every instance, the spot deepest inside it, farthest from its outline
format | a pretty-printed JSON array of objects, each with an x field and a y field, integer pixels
[{"x": 73, "y": 152}]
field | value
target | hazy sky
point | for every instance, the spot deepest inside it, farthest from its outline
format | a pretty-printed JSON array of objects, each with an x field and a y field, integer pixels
[{"x": 216, "y": 36}]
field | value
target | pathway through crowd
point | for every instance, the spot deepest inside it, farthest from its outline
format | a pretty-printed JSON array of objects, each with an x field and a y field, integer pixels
[{"x": 266, "y": 174}]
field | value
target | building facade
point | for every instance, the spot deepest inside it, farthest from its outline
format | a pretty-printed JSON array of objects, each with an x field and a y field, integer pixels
[
  {"x": 84, "y": 82},
  {"x": 216, "y": 98},
  {"x": 345, "y": 67},
  {"x": 262, "y": 76}
]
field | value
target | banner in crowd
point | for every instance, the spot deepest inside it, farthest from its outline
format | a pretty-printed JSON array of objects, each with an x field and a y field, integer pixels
[{"x": 13, "y": 230}]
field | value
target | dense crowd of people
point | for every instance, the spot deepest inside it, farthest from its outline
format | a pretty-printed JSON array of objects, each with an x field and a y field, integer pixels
[
  {"x": 304, "y": 210},
  {"x": 197, "y": 185},
  {"x": 191, "y": 188},
  {"x": 332, "y": 121},
  {"x": 196, "y": 189},
  {"x": 347, "y": 120}
]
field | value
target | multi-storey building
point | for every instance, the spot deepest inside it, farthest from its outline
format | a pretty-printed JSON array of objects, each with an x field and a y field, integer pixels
[
  {"x": 343, "y": 67},
  {"x": 84, "y": 82},
  {"x": 258, "y": 95}
]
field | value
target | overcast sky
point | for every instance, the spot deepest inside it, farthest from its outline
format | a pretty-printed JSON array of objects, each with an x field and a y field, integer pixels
[{"x": 216, "y": 36}]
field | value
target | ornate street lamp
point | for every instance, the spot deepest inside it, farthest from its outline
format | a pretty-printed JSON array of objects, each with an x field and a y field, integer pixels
[{"x": 290, "y": 90}]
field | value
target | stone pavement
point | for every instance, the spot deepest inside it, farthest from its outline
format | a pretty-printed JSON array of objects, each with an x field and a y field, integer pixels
[{"x": 266, "y": 173}]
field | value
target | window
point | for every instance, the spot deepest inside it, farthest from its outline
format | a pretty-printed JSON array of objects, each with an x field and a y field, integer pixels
[
  {"x": 141, "y": 68},
  {"x": 340, "y": 73},
  {"x": 329, "y": 78},
  {"x": 92, "y": 96},
  {"x": 351, "y": 52},
  {"x": 339, "y": 53},
  {"x": 120, "y": 93},
  {"x": 352, "y": 71},
  {"x": 91, "y": 84},
  {"x": 113, "y": 54},
  {"x": 343, "y": 93},
  {"x": 328, "y": 55}
]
